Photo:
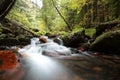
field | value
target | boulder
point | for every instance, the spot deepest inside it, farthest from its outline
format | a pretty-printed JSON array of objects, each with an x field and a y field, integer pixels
[
  {"x": 75, "y": 39},
  {"x": 13, "y": 41},
  {"x": 108, "y": 42}
]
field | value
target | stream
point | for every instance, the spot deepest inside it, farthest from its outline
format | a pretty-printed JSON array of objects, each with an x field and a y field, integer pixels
[{"x": 53, "y": 61}]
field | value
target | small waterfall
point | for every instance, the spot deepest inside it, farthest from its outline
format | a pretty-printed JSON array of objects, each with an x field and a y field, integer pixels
[
  {"x": 49, "y": 48},
  {"x": 41, "y": 67},
  {"x": 34, "y": 41},
  {"x": 32, "y": 48}
]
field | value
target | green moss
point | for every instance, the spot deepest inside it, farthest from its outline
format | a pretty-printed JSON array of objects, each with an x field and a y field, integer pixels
[
  {"x": 107, "y": 42},
  {"x": 90, "y": 31},
  {"x": 106, "y": 35}
]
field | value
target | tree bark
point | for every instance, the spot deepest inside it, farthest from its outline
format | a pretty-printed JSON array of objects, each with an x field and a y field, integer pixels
[
  {"x": 95, "y": 8},
  {"x": 69, "y": 27},
  {"x": 5, "y": 7}
]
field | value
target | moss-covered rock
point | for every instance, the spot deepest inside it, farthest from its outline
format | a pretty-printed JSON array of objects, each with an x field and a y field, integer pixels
[
  {"x": 74, "y": 40},
  {"x": 108, "y": 42},
  {"x": 106, "y": 26}
]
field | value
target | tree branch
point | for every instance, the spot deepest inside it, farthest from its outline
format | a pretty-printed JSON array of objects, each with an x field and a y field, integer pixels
[{"x": 61, "y": 15}]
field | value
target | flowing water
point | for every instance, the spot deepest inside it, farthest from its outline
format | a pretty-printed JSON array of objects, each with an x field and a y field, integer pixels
[
  {"x": 36, "y": 64},
  {"x": 42, "y": 67}
]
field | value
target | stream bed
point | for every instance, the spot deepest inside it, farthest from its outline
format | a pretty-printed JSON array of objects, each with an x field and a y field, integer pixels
[
  {"x": 58, "y": 63},
  {"x": 80, "y": 67}
]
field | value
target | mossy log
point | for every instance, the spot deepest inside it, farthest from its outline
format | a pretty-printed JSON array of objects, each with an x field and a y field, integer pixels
[
  {"x": 103, "y": 27},
  {"x": 5, "y": 29},
  {"x": 15, "y": 28},
  {"x": 13, "y": 33}
]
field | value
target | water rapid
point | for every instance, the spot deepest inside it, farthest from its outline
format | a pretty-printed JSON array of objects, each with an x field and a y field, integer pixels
[
  {"x": 40, "y": 67},
  {"x": 50, "y": 48}
]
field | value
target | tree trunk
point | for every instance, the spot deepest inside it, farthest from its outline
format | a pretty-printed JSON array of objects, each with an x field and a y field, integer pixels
[
  {"x": 95, "y": 2},
  {"x": 101, "y": 11},
  {"x": 5, "y": 7},
  {"x": 68, "y": 25}
]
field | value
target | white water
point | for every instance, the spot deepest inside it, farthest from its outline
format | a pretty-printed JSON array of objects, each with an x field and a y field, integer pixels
[
  {"x": 50, "y": 48},
  {"x": 41, "y": 67},
  {"x": 32, "y": 48}
]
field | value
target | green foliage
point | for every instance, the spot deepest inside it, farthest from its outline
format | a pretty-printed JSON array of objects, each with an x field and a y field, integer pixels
[
  {"x": 47, "y": 19},
  {"x": 19, "y": 17},
  {"x": 90, "y": 31},
  {"x": 78, "y": 13},
  {"x": 28, "y": 14},
  {"x": 71, "y": 9},
  {"x": 114, "y": 6}
]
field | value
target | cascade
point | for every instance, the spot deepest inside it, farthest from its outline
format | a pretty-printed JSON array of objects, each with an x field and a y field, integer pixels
[{"x": 49, "y": 48}]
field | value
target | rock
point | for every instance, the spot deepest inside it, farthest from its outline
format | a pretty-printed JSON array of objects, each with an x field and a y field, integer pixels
[
  {"x": 43, "y": 39},
  {"x": 74, "y": 40},
  {"x": 13, "y": 41},
  {"x": 83, "y": 47},
  {"x": 9, "y": 42},
  {"x": 103, "y": 27},
  {"x": 52, "y": 35},
  {"x": 108, "y": 42},
  {"x": 58, "y": 40}
]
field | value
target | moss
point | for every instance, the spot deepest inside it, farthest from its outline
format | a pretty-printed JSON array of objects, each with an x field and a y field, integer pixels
[
  {"x": 107, "y": 42},
  {"x": 2, "y": 36},
  {"x": 90, "y": 31}
]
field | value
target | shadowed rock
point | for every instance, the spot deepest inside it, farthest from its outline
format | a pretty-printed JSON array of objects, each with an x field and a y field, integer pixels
[{"x": 107, "y": 42}]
